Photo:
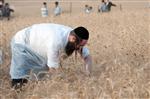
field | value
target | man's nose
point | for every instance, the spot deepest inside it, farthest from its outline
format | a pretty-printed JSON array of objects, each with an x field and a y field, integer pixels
[{"x": 83, "y": 43}]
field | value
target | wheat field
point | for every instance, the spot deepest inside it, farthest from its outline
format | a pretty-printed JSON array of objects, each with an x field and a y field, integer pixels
[{"x": 120, "y": 48}]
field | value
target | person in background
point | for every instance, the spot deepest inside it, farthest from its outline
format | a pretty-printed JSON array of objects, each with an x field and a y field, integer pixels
[
  {"x": 44, "y": 10},
  {"x": 109, "y": 4},
  {"x": 86, "y": 9},
  {"x": 57, "y": 9},
  {"x": 1, "y": 3},
  {"x": 90, "y": 8},
  {"x": 6, "y": 11},
  {"x": 102, "y": 7},
  {"x": 1, "y": 9}
]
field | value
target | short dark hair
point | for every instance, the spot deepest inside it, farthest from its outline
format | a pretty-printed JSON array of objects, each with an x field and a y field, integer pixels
[
  {"x": 44, "y": 3},
  {"x": 82, "y": 32},
  {"x": 86, "y": 5},
  {"x": 6, "y": 4},
  {"x": 56, "y": 3}
]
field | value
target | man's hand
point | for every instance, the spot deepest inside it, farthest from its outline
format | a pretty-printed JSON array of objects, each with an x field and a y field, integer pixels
[
  {"x": 52, "y": 70},
  {"x": 55, "y": 70},
  {"x": 88, "y": 65},
  {"x": 56, "y": 73}
]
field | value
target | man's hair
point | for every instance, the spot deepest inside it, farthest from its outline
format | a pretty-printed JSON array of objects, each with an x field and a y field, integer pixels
[
  {"x": 86, "y": 5},
  {"x": 44, "y": 3},
  {"x": 56, "y": 3},
  {"x": 81, "y": 32},
  {"x": 6, "y": 4}
]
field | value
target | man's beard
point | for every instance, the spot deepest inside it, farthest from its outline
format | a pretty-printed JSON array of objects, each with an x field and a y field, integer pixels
[{"x": 70, "y": 48}]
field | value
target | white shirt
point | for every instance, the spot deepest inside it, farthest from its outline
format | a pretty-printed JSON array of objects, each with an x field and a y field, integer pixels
[
  {"x": 48, "y": 40},
  {"x": 44, "y": 11},
  {"x": 87, "y": 11},
  {"x": 57, "y": 10}
]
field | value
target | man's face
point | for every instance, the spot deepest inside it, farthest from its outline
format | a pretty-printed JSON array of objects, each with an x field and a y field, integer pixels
[
  {"x": 82, "y": 43},
  {"x": 74, "y": 44}
]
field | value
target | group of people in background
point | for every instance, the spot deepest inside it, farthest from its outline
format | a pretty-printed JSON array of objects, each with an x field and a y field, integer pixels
[
  {"x": 105, "y": 6},
  {"x": 57, "y": 10},
  {"x": 5, "y": 10}
]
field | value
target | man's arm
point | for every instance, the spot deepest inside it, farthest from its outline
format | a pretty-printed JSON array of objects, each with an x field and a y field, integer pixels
[
  {"x": 53, "y": 59},
  {"x": 87, "y": 60},
  {"x": 11, "y": 10},
  {"x": 53, "y": 70},
  {"x": 88, "y": 65},
  {"x": 113, "y": 4}
]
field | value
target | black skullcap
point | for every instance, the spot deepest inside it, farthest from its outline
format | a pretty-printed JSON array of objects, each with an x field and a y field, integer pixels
[{"x": 82, "y": 32}]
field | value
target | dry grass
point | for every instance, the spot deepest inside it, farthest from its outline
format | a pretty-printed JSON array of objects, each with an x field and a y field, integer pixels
[{"x": 119, "y": 44}]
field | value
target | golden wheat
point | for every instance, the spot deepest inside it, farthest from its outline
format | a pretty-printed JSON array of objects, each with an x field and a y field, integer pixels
[{"x": 120, "y": 48}]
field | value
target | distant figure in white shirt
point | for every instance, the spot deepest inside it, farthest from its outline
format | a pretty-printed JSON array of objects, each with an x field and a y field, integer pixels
[
  {"x": 57, "y": 10},
  {"x": 41, "y": 46},
  {"x": 86, "y": 9},
  {"x": 44, "y": 10}
]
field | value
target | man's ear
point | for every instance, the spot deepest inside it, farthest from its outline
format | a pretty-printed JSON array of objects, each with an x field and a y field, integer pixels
[{"x": 72, "y": 38}]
